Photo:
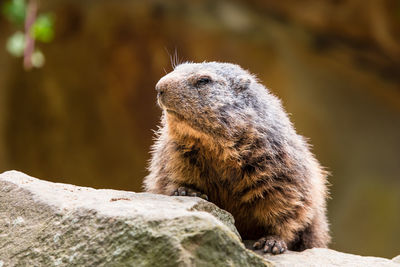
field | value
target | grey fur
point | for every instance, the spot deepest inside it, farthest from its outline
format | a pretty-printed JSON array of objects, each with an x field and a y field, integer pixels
[{"x": 226, "y": 135}]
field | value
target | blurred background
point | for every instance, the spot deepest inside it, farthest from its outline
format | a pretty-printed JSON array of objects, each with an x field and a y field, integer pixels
[{"x": 85, "y": 116}]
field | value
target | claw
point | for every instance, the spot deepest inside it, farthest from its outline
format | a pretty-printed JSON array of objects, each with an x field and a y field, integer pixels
[
  {"x": 271, "y": 244},
  {"x": 183, "y": 191}
]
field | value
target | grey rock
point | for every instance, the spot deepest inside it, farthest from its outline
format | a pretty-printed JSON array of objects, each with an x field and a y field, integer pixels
[
  {"x": 53, "y": 224},
  {"x": 317, "y": 257},
  {"x": 396, "y": 259}
]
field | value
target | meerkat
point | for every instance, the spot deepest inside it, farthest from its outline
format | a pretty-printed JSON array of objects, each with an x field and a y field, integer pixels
[{"x": 226, "y": 138}]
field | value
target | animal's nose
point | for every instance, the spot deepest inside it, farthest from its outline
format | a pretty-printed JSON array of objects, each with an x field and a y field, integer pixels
[
  {"x": 161, "y": 86},
  {"x": 169, "y": 82}
]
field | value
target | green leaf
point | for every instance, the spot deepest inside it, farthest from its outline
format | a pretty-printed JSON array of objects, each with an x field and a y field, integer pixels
[
  {"x": 43, "y": 28},
  {"x": 37, "y": 59},
  {"x": 14, "y": 10},
  {"x": 16, "y": 44}
]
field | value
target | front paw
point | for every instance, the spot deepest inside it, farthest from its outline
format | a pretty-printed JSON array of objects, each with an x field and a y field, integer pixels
[
  {"x": 271, "y": 244},
  {"x": 184, "y": 191}
]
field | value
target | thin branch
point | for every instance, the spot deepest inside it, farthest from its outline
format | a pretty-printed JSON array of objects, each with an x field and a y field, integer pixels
[{"x": 29, "y": 41}]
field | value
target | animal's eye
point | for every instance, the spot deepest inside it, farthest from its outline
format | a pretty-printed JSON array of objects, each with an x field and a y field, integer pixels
[{"x": 203, "y": 81}]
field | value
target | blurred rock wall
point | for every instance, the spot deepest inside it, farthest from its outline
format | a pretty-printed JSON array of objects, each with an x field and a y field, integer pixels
[{"x": 87, "y": 116}]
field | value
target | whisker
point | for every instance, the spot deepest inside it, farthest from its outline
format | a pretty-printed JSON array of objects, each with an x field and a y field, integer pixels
[
  {"x": 170, "y": 57},
  {"x": 175, "y": 58}
]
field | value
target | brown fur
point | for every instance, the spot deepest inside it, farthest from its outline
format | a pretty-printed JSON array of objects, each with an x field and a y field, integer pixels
[{"x": 273, "y": 186}]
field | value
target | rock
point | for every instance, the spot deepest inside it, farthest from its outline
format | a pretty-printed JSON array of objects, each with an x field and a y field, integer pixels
[
  {"x": 53, "y": 224},
  {"x": 317, "y": 257},
  {"x": 396, "y": 259}
]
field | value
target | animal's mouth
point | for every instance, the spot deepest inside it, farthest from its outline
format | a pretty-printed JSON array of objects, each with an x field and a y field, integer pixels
[{"x": 159, "y": 102}]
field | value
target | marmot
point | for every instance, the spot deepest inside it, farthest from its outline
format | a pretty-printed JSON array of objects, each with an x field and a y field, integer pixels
[{"x": 225, "y": 136}]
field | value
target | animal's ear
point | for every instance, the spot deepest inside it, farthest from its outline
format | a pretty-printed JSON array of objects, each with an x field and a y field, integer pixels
[{"x": 242, "y": 82}]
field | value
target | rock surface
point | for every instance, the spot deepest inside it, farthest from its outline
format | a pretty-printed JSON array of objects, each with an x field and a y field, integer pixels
[
  {"x": 317, "y": 257},
  {"x": 52, "y": 224}
]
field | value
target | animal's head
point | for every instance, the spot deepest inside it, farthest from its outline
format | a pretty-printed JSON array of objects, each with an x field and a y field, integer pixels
[{"x": 219, "y": 99}]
